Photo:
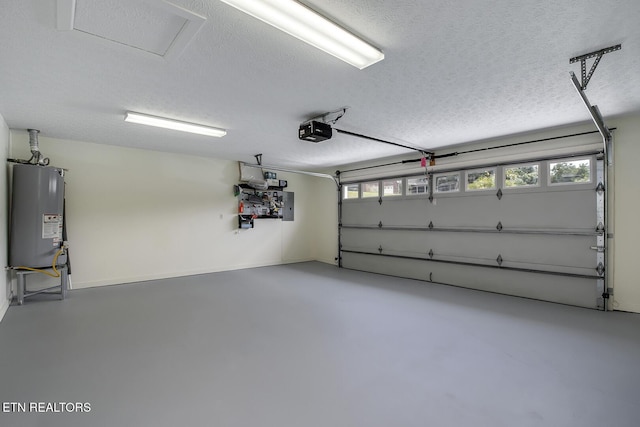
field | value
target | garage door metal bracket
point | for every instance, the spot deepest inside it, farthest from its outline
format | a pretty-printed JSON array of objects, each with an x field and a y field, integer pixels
[
  {"x": 499, "y": 194},
  {"x": 604, "y": 296},
  {"x": 600, "y": 189},
  {"x": 499, "y": 260},
  {"x": 430, "y": 226},
  {"x": 600, "y": 269},
  {"x": 430, "y": 254},
  {"x": 583, "y": 62},
  {"x": 380, "y": 224},
  {"x": 380, "y": 249},
  {"x": 499, "y": 226}
]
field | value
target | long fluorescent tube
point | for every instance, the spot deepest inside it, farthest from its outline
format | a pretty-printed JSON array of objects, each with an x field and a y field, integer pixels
[
  {"x": 161, "y": 122},
  {"x": 303, "y": 23}
]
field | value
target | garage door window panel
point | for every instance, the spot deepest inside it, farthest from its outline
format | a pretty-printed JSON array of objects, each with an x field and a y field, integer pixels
[
  {"x": 480, "y": 179},
  {"x": 570, "y": 171},
  {"x": 392, "y": 187},
  {"x": 522, "y": 176},
  {"x": 418, "y": 185},
  {"x": 370, "y": 189},
  {"x": 350, "y": 191},
  {"x": 447, "y": 183}
]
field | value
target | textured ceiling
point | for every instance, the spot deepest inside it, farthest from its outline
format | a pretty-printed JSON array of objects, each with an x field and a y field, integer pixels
[{"x": 454, "y": 72}]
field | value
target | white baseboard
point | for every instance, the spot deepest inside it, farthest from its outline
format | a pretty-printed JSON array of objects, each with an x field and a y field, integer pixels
[
  {"x": 170, "y": 275},
  {"x": 4, "y": 306},
  {"x": 629, "y": 307}
]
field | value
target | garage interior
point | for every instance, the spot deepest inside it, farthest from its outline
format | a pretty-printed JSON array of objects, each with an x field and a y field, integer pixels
[{"x": 443, "y": 234}]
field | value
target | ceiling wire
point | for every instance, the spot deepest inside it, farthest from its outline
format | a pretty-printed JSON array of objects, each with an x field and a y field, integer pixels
[
  {"x": 346, "y": 132},
  {"x": 342, "y": 111}
]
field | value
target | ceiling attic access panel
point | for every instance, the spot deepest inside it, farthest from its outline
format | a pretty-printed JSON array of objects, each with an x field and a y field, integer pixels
[{"x": 158, "y": 28}]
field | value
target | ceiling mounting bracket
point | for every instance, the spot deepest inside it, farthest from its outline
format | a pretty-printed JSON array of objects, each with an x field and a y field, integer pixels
[
  {"x": 583, "y": 62},
  {"x": 330, "y": 117}
]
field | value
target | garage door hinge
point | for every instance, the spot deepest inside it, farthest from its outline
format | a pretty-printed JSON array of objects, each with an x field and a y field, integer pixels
[
  {"x": 499, "y": 260},
  {"x": 380, "y": 249},
  {"x": 499, "y": 226},
  {"x": 380, "y": 200},
  {"x": 430, "y": 225},
  {"x": 597, "y": 248},
  {"x": 430, "y": 253},
  {"x": 600, "y": 269},
  {"x": 380, "y": 224},
  {"x": 600, "y": 228},
  {"x": 499, "y": 194},
  {"x": 600, "y": 188}
]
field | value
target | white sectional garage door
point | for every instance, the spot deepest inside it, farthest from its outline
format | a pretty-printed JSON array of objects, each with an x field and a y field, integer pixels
[{"x": 528, "y": 229}]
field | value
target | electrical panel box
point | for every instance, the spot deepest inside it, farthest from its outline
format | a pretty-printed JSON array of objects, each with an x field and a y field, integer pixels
[{"x": 288, "y": 198}]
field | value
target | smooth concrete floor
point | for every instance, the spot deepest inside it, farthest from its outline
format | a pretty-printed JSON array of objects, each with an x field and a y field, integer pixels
[{"x": 311, "y": 345}]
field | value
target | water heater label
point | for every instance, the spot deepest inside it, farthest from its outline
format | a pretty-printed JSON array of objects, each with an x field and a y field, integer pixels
[{"x": 52, "y": 227}]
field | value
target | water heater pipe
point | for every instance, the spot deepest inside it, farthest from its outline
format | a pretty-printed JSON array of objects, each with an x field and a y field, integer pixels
[{"x": 36, "y": 156}]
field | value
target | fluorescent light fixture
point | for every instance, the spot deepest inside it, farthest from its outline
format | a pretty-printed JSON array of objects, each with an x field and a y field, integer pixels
[
  {"x": 161, "y": 122},
  {"x": 303, "y": 23}
]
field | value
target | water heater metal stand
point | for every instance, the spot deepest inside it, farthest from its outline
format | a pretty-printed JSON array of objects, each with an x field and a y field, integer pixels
[{"x": 24, "y": 293}]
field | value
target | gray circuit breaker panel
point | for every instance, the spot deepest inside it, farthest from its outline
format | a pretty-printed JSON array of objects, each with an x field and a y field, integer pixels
[{"x": 288, "y": 206}]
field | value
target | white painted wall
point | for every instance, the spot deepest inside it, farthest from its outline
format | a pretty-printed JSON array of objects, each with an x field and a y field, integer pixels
[
  {"x": 5, "y": 283},
  {"x": 325, "y": 221},
  {"x": 626, "y": 213},
  {"x": 136, "y": 215}
]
